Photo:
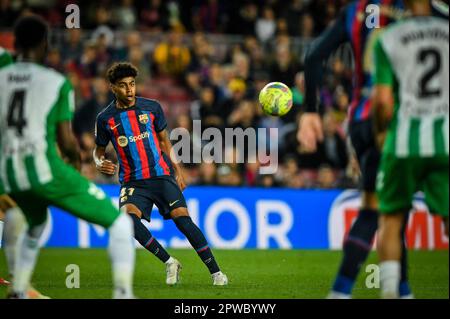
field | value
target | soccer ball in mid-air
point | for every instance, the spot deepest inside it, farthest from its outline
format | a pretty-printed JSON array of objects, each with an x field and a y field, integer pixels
[{"x": 276, "y": 99}]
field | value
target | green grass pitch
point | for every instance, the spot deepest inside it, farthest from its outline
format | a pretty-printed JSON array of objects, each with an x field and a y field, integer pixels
[{"x": 270, "y": 274}]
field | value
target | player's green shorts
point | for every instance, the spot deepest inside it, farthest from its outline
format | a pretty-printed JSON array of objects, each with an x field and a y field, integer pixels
[
  {"x": 70, "y": 192},
  {"x": 399, "y": 178}
]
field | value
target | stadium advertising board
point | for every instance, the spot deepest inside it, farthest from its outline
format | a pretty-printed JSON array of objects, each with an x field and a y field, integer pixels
[{"x": 239, "y": 218}]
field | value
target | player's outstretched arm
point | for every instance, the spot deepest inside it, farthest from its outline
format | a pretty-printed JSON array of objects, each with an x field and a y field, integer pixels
[
  {"x": 103, "y": 165},
  {"x": 68, "y": 144},
  {"x": 310, "y": 131},
  {"x": 166, "y": 147}
]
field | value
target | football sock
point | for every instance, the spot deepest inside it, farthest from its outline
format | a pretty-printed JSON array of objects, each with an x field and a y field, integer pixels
[
  {"x": 122, "y": 253},
  {"x": 390, "y": 278},
  {"x": 198, "y": 242},
  {"x": 356, "y": 249},
  {"x": 145, "y": 238},
  {"x": 26, "y": 256},
  {"x": 14, "y": 225}
]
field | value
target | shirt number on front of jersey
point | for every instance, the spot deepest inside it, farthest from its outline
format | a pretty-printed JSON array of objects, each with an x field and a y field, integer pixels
[{"x": 16, "y": 112}]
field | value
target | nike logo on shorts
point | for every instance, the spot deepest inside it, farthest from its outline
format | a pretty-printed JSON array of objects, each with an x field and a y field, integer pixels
[{"x": 173, "y": 203}]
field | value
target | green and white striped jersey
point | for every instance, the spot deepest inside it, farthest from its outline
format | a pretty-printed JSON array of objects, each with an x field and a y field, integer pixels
[
  {"x": 412, "y": 56},
  {"x": 33, "y": 100},
  {"x": 5, "y": 58}
]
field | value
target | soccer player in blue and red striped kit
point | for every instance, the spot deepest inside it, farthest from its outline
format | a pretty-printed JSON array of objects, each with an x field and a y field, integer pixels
[
  {"x": 352, "y": 27},
  {"x": 136, "y": 127}
]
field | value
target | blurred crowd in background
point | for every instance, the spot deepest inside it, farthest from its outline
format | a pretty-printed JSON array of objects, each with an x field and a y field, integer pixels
[{"x": 205, "y": 60}]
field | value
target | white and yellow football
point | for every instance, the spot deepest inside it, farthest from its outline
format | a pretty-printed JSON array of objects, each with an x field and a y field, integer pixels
[{"x": 276, "y": 99}]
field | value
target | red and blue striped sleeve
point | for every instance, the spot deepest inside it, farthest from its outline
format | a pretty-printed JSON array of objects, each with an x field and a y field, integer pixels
[{"x": 160, "y": 120}]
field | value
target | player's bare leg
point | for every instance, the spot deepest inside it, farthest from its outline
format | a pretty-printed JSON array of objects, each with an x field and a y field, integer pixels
[
  {"x": 389, "y": 252},
  {"x": 146, "y": 239},
  {"x": 198, "y": 241}
]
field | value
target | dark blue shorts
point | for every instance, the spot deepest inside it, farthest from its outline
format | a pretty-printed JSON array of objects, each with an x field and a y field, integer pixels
[
  {"x": 163, "y": 191},
  {"x": 363, "y": 141}
]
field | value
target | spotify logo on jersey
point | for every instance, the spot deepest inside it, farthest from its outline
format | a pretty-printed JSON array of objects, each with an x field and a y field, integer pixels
[{"x": 122, "y": 141}]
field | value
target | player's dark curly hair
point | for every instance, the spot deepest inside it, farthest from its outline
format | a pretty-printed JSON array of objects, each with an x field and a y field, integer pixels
[
  {"x": 30, "y": 32},
  {"x": 120, "y": 70}
]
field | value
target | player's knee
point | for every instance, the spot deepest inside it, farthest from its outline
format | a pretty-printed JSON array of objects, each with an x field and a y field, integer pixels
[
  {"x": 179, "y": 212},
  {"x": 132, "y": 210}
]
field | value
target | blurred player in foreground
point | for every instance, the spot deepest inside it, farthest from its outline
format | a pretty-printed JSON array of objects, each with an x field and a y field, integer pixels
[
  {"x": 137, "y": 129},
  {"x": 36, "y": 107},
  {"x": 411, "y": 101},
  {"x": 12, "y": 221},
  {"x": 352, "y": 27}
]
